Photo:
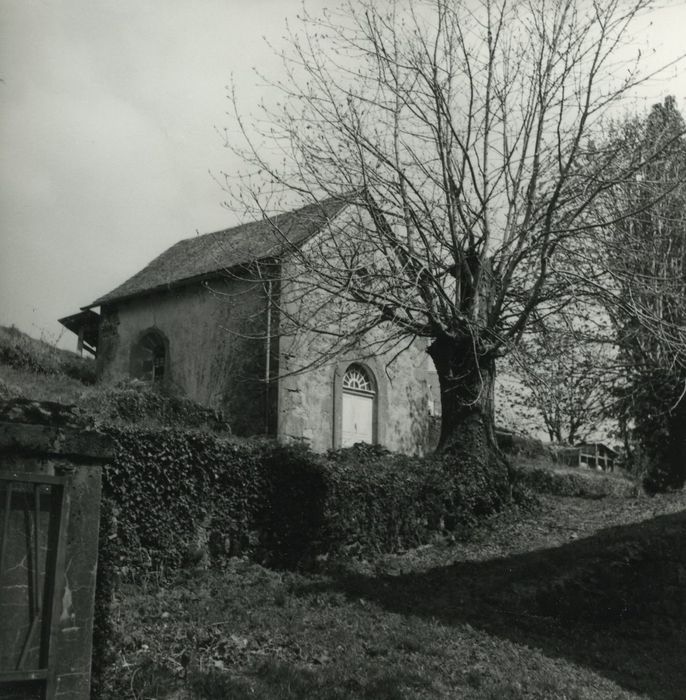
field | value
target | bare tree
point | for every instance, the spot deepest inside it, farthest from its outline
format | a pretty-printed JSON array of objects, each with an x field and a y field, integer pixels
[
  {"x": 567, "y": 371},
  {"x": 457, "y": 132}
]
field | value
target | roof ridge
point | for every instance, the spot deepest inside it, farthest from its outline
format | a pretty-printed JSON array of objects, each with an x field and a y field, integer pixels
[{"x": 209, "y": 253}]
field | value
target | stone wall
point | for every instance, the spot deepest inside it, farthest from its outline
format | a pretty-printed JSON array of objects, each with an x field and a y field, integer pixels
[
  {"x": 216, "y": 346},
  {"x": 312, "y": 362},
  {"x": 408, "y": 396},
  {"x": 50, "y": 478}
]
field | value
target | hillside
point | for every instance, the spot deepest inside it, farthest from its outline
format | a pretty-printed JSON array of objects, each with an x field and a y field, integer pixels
[{"x": 34, "y": 369}]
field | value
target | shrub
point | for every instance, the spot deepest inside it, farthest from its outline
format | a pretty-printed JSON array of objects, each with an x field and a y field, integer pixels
[
  {"x": 292, "y": 518},
  {"x": 517, "y": 444},
  {"x": 167, "y": 488},
  {"x": 365, "y": 500},
  {"x": 653, "y": 401},
  {"x": 171, "y": 498},
  {"x": 381, "y": 502},
  {"x": 174, "y": 495},
  {"x": 175, "y": 498},
  {"x": 582, "y": 484},
  {"x": 135, "y": 402}
]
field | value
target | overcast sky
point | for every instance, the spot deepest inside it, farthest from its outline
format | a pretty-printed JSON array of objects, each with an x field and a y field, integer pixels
[{"x": 107, "y": 134}]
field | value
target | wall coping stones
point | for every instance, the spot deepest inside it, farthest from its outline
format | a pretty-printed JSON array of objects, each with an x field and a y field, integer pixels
[{"x": 51, "y": 429}]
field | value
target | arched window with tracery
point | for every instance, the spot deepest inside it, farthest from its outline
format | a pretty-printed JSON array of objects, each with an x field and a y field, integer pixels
[
  {"x": 359, "y": 406},
  {"x": 149, "y": 357}
]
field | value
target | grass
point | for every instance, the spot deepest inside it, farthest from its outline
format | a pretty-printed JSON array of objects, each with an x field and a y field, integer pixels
[
  {"x": 38, "y": 370},
  {"x": 562, "y": 603},
  {"x": 560, "y": 480}
]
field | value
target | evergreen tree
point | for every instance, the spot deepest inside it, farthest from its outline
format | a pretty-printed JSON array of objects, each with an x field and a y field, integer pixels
[{"x": 647, "y": 260}]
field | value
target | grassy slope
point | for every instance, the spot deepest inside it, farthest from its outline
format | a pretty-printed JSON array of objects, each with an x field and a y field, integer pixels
[
  {"x": 553, "y": 604},
  {"x": 38, "y": 370},
  {"x": 34, "y": 369}
]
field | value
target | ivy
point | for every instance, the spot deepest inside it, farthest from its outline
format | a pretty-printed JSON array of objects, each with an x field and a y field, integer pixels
[{"x": 178, "y": 498}]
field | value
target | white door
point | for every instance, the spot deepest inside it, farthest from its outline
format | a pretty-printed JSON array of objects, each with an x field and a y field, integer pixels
[{"x": 358, "y": 419}]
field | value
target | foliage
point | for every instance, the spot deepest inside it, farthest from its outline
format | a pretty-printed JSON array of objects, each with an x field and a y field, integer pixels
[
  {"x": 181, "y": 499},
  {"x": 646, "y": 261},
  {"x": 498, "y": 614},
  {"x": 293, "y": 519},
  {"x": 170, "y": 491},
  {"x": 655, "y": 404},
  {"x": 364, "y": 500},
  {"x": 169, "y": 488},
  {"x": 581, "y": 483},
  {"x": 144, "y": 405},
  {"x": 171, "y": 499},
  {"x": 515, "y": 444}
]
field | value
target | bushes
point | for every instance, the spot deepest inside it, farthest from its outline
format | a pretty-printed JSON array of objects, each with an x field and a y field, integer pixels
[
  {"x": 180, "y": 497},
  {"x": 171, "y": 498},
  {"x": 517, "y": 444},
  {"x": 378, "y": 502},
  {"x": 364, "y": 500},
  {"x": 169, "y": 490},
  {"x": 137, "y": 402},
  {"x": 292, "y": 520},
  {"x": 573, "y": 482},
  {"x": 174, "y": 499},
  {"x": 654, "y": 403}
]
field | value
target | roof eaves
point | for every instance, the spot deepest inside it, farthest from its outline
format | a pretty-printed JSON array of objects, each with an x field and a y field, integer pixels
[
  {"x": 174, "y": 284},
  {"x": 290, "y": 246}
]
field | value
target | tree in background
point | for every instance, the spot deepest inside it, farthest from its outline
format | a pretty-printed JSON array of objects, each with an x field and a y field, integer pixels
[
  {"x": 565, "y": 369},
  {"x": 646, "y": 294},
  {"x": 457, "y": 131}
]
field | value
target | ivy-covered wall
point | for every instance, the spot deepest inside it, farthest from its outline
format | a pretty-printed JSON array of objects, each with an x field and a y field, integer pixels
[{"x": 176, "y": 499}]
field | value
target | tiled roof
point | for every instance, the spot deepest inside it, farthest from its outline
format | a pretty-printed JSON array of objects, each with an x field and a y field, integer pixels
[{"x": 213, "y": 252}]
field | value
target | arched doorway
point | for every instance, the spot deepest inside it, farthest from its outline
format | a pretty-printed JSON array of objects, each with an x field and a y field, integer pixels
[{"x": 359, "y": 406}]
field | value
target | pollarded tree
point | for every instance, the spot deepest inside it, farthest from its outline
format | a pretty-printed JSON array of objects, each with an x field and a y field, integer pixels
[{"x": 456, "y": 131}]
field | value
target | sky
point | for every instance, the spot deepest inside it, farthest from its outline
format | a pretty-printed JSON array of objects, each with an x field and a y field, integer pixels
[{"x": 108, "y": 133}]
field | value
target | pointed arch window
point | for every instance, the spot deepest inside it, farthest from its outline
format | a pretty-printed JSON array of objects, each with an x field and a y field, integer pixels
[{"x": 149, "y": 357}]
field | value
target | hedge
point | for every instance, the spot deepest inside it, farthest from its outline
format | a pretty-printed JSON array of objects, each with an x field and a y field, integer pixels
[
  {"x": 171, "y": 498},
  {"x": 175, "y": 498},
  {"x": 579, "y": 483}
]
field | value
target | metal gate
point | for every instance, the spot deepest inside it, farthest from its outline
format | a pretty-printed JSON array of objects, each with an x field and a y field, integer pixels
[{"x": 33, "y": 517}]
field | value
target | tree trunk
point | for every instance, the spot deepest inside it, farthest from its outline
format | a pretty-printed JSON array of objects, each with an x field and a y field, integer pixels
[{"x": 467, "y": 384}]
